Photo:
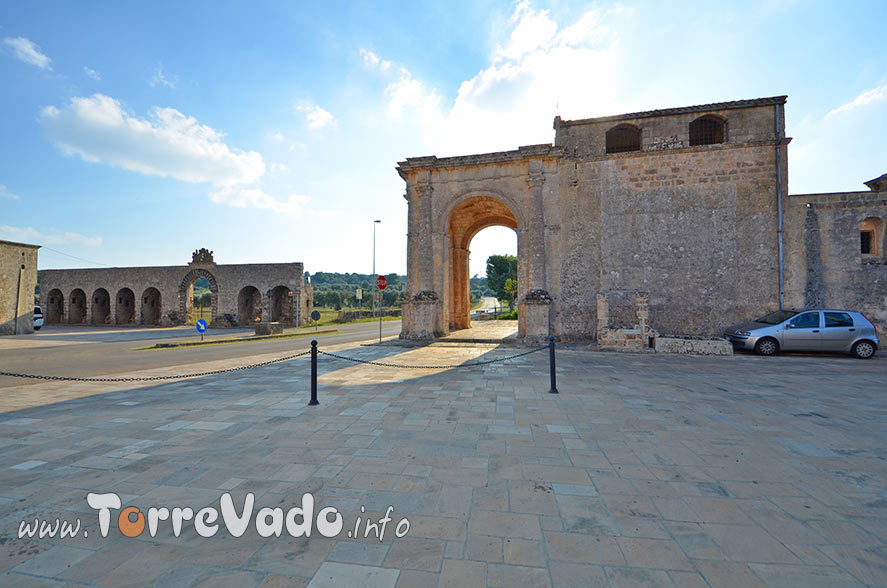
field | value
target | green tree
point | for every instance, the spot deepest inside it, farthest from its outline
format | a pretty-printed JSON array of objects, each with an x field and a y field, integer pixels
[
  {"x": 500, "y": 268},
  {"x": 206, "y": 299},
  {"x": 511, "y": 291}
]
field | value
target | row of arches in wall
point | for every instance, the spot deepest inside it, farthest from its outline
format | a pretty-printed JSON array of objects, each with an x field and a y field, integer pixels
[
  {"x": 705, "y": 130},
  {"x": 99, "y": 308}
]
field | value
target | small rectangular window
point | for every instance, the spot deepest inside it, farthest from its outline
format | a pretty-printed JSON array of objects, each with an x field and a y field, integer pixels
[
  {"x": 865, "y": 242},
  {"x": 838, "y": 319}
]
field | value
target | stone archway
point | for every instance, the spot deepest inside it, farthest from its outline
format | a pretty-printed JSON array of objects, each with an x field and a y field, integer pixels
[
  {"x": 77, "y": 307},
  {"x": 249, "y": 306},
  {"x": 467, "y": 219},
  {"x": 151, "y": 309},
  {"x": 55, "y": 307},
  {"x": 185, "y": 293},
  {"x": 100, "y": 309},
  {"x": 452, "y": 199},
  {"x": 125, "y": 308},
  {"x": 281, "y": 305}
]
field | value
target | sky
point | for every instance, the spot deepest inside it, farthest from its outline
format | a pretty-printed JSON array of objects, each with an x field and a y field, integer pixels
[{"x": 132, "y": 134}]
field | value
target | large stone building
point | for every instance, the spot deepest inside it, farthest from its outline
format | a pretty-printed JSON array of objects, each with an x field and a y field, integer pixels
[
  {"x": 242, "y": 294},
  {"x": 18, "y": 279},
  {"x": 685, "y": 210}
]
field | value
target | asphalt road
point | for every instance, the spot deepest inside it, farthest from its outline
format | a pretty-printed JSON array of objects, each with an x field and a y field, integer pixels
[{"x": 97, "y": 351}]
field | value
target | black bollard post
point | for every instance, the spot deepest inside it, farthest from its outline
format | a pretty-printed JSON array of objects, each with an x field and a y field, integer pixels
[
  {"x": 313, "y": 401},
  {"x": 551, "y": 366}
]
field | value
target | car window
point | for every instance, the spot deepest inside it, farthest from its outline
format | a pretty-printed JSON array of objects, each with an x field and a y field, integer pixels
[
  {"x": 37, "y": 310},
  {"x": 774, "y": 318},
  {"x": 808, "y": 320},
  {"x": 838, "y": 319}
]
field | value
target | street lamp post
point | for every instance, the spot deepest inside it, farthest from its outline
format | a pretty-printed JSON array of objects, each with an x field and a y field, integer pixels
[{"x": 375, "y": 222}]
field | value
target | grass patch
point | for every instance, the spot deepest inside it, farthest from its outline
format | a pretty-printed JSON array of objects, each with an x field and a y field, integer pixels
[{"x": 241, "y": 340}]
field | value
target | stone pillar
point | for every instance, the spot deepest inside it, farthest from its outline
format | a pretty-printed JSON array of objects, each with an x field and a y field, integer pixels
[
  {"x": 534, "y": 311},
  {"x": 603, "y": 314},
  {"x": 536, "y": 233},
  {"x": 422, "y": 305},
  {"x": 461, "y": 288}
]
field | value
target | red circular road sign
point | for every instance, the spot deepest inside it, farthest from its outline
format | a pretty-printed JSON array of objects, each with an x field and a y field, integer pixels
[{"x": 381, "y": 282}]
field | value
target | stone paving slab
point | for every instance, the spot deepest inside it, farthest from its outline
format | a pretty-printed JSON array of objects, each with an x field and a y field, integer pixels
[{"x": 643, "y": 471}]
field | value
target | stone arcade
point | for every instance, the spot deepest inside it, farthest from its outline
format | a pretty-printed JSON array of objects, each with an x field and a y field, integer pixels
[
  {"x": 242, "y": 294},
  {"x": 686, "y": 209}
]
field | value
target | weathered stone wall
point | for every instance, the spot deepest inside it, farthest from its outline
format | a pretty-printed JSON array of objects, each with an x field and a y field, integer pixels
[
  {"x": 18, "y": 279},
  {"x": 695, "y": 226},
  {"x": 172, "y": 282},
  {"x": 824, "y": 263},
  {"x": 680, "y": 222}
]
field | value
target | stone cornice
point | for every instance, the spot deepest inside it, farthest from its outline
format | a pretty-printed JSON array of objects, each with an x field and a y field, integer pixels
[
  {"x": 434, "y": 162},
  {"x": 752, "y": 103}
]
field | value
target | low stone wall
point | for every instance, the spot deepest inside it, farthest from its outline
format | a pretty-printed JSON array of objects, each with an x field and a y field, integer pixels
[
  {"x": 693, "y": 345},
  {"x": 269, "y": 328},
  {"x": 350, "y": 315}
]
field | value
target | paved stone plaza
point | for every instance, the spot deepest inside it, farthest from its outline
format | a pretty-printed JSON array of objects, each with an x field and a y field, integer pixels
[{"x": 644, "y": 471}]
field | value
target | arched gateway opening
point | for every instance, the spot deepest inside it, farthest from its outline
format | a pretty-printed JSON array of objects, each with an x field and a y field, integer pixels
[
  {"x": 186, "y": 296},
  {"x": 55, "y": 307},
  {"x": 125, "y": 308},
  {"x": 77, "y": 307},
  {"x": 452, "y": 199},
  {"x": 101, "y": 307},
  {"x": 249, "y": 306},
  {"x": 467, "y": 219},
  {"x": 151, "y": 306}
]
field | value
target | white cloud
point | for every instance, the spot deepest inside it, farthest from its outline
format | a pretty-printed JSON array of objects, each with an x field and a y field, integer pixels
[
  {"x": 5, "y": 193},
  {"x": 878, "y": 94},
  {"x": 532, "y": 30},
  {"x": 278, "y": 136},
  {"x": 315, "y": 116},
  {"x": 32, "y": 235},
  {"x": 372, "y": 61},
  {"x": 167, "y": 144},
  {"x": 28, "y": 52},
  {"x": 538, "y": 71},
  {"x": 161, "y": 80},
  {"x": 244, "y": 197},
  {"x": 91, "y": 73}
]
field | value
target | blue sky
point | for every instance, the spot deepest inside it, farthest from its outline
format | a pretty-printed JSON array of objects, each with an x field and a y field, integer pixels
[{"x": 132, "y": 134}]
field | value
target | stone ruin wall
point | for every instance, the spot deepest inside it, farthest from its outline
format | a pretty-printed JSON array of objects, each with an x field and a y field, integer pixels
[{"x": 226, "y": 282}]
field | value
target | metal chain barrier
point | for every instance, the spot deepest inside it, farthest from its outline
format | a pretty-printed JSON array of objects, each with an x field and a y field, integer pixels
[
  {"x": 432, "y": 367},
  {"x": 314, "y": 351},
  {"x": 156, "y": 378}
]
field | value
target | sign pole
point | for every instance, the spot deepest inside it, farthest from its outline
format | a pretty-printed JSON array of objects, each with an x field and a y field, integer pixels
[{"x": 381, "y": 284}]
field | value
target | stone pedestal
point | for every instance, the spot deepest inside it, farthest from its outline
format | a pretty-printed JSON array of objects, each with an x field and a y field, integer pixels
[
  {"x": 534, "y": 316},
  {"x": 420, "y": 314}
]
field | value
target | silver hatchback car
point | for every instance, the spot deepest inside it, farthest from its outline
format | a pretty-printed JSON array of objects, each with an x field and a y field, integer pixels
[{"x": 807, "y": 330}]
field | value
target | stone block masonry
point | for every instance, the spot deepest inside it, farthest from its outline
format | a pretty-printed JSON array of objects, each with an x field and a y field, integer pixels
[{"x": 18, "y": 279}]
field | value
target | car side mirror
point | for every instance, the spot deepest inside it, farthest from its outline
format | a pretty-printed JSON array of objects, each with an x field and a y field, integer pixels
[{"x": 789, "y": 326}]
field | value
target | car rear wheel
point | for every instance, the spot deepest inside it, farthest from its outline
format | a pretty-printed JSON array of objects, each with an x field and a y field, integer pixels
[
  {"x": 863, "y": 349},
  {"x": 767, "y": 346}
]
